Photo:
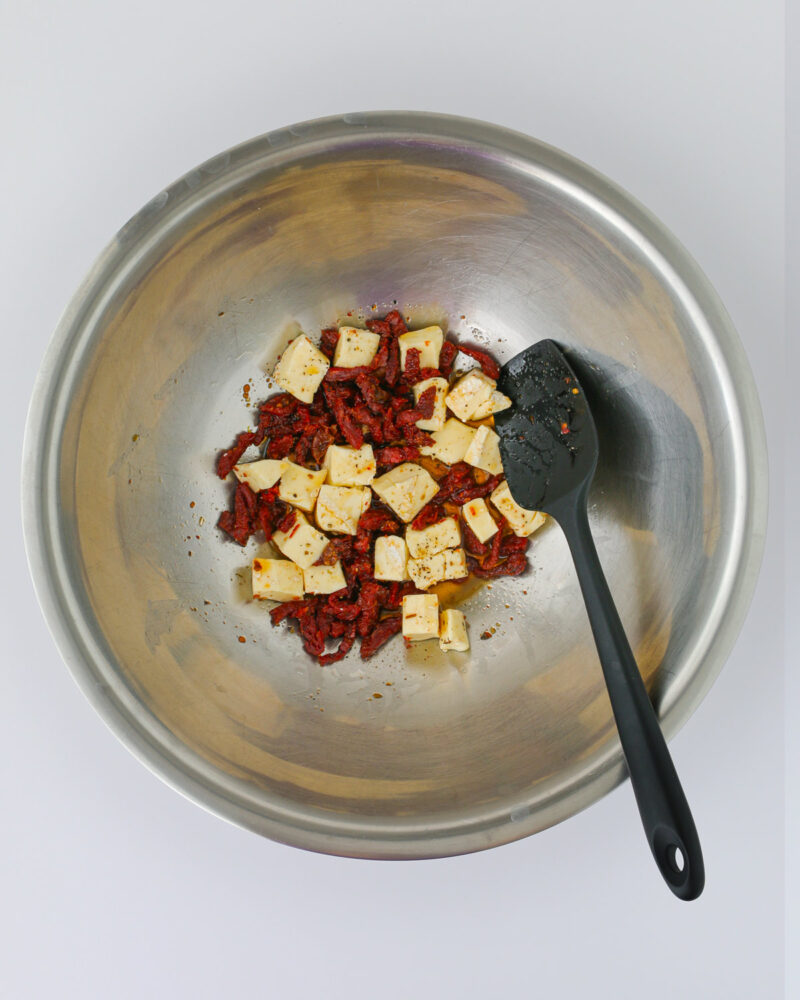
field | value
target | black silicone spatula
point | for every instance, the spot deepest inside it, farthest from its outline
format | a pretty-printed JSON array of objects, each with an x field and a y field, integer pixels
[{"x": 549, "y": 447}]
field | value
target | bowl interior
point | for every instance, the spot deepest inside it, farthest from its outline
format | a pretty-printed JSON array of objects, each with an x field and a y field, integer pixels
[{"x": 194, "y": 302}]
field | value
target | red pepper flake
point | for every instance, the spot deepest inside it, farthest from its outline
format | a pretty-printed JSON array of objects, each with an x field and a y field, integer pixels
[
  {"x": 242, "y": 639},
  {"x": 564, "y": 427},
  {"x": 191, "y": 504}
]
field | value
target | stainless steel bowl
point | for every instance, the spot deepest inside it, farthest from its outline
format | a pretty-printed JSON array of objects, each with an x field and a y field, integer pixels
[{"x": 504, "y": 240}]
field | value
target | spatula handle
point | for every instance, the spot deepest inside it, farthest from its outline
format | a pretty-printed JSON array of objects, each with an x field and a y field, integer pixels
[{"x": 662, "y": 805}]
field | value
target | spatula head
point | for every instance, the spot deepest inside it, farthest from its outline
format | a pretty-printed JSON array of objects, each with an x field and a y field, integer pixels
[{"x": 548, "y": 440}]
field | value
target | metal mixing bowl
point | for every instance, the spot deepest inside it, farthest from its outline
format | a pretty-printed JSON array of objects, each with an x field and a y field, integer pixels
[{"x": 502, "y": 240}]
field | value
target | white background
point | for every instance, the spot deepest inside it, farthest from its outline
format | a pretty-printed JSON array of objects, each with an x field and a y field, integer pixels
[{"x": 113, "y": 886}]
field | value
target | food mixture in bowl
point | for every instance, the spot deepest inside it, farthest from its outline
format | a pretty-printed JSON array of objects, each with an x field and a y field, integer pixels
[{"x": 381, "y": 481}]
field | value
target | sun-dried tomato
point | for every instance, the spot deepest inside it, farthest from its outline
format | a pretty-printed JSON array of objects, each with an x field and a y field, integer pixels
[
  {"x": 337, "y": 550},
  {"x": 289, "y": 609},
  {"x": 422, "y": 411},
  {"x": 396, "y": 454},
  {"x": 376, "y": 519},
  {"x": 375, "y": 397},
  {"x": 368, "y": 599},
  {"x": 327, "y": 342},
  {"x": 515, "y": 564},
  {"x": 280, "y": 405},
  {"x": 493, "y": 557},
  {"x": 447, "y": 356},
  {"x": 348, "y": 425},
  {"x": 343, "y": 610},
  {"x": 240, "y": 523},
  {"x": 459, "y": 477},
  {"x": 430, "y": 514},
  {"x": 395, "y": 322},
  {"x": 513, "y": 543},
  {"x": 488, "y": 365},
  {"x": 415, "y": 436},
  {"x": 364, "y": 415},
  {"x": 229, "y": 458},
  {"x": 344, "y": 648},
  {"x": 382, "y": 632},
  {"x": 322, "y": 440},
  {"x": 392, "y": 373},
  {"x": 473, "y": 490},
  {"x": 288, "y": 520},
  {"x": 279, "y": 447},
  {"x": 346, "y": 374},
  {"x": 412, "y": 366},
  {"x": 472, "y": 543}
]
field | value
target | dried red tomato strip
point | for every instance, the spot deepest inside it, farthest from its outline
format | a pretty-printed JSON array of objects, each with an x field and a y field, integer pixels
[
  {"x": 290, "y": 609},
  {"x": 375, "y": 397},
  {"x": 392, "y": 373},
  {"x": 344, "y": 648},
  {"x": 396, "y": 454},
  {"x": 382, "y": 632},
  {"x": 328, "y": 340},
  {"x": 347, "y": 423},
  {"x": 412, "y": 367},
  {"x": 422, "y": 411},
  {"x": 229, "y": 458},
  {"x": 493, "y": 558},
  {"x": 515, "y": 564},
  {"x": 430, "y": 514},
  {"x": 377, "y": 519},
  {"x": 472, "y": 543},
  {"x": 447, "y": 356},
  {"x": 488, "y": 365},
  {"x": 279, "y": 447},
  {"x": 346, "y": 374},
  {"x": 395, "y": 322},
  {"x": 474, "y": 490}
]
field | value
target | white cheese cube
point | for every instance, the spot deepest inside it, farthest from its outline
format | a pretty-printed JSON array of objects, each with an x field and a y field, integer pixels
[
  {"x": 355, "y": 347},
  {"x": 301, "y": 368},
  {"x": 494, "y": 404},
  {"x": 471, "y": 391},
  {"x": 450, "y": 443},
  {"x": 277, "y": 580},
  {"x": 426, "y": 572},
  {"x": 302, "y": 543},
  {"x": 455, "y": 564},
  {"x": 453, "y": 636},
  {"x": 350, "y": 466},
  {"x": 340, "y": 507},
  {"x": 406, "y": 489},
  {"x": 300, "y": 486},
  {"x": 324, "y": 579},
  {"x": 260, "y": 475},
  {"x": 433, "y": 539},
  {"x": 420, "y": 616},
  {"x": 484, "y": 451},
  {"x": 435, "y": 422},
  {"x": 476, "y": 515},
  {"x": 391, "y": 557},
  {"x": 521, "y": 521},
  {"x": 428, "y": 342}
]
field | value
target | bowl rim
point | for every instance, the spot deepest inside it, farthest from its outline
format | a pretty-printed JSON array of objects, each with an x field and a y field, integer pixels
[{"x": 89, "y": 663}]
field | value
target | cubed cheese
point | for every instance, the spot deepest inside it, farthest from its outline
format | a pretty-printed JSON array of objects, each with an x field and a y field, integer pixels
[
  {"x": 350, "y": 466},
  {"x": 476, "y": 515},
  {"x": 494, "y": 404},
  {"x": 428, "y": 342},
  {"x": 420, "y": 616},
  {"x": 426, "y": 572},
  {"x": 355, "y": 347},
  {"x": 260, "y": 475},
  {"x": 391, "y": 557},
  {"x": 302, "y": 543},
  {"x": 324, "y": 579},
  {"x": 301, "y": 368},
  {"x": 455, "y": 564},
  {"x": 340, "y": 507},
  {"x": 453, "y": 636},
  {"x": 484, "y": 451},
  {"x": 451, "y": 442},
  {"x": 300, "y": 486},
  {"x": 471, "y": 391},
  {"x": 406, "y": 489},
  {"x": 427, "y": 542},
  {"x": 435, "y": 422},
  {"x": 277, "y": 580},
  {"x": 521, "y": 521}
]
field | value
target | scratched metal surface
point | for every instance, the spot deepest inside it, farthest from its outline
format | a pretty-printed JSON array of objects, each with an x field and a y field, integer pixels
[{"x": 501, "y": 240}]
